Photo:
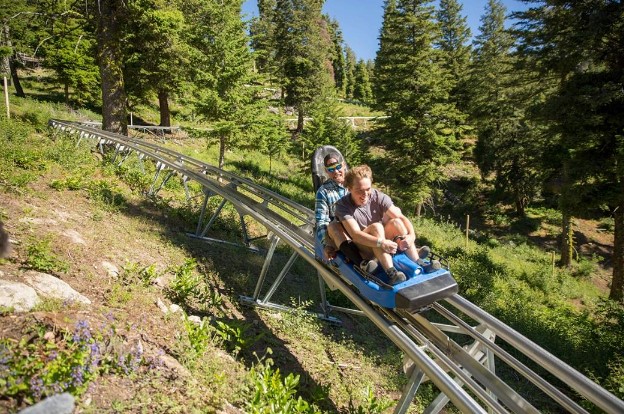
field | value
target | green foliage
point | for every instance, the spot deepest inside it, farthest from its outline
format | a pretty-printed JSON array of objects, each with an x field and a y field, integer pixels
[
  {"x": 509, "y": 144},
  {"x": 298, "y": 318},
  {"x": 132, "y": 175},
  {"x": 372, "y": 405},
  {"x": 106, "y": 194},
  {"x": 607, "y": 224},
  {"x": 137, "y": 274},
  {"x": 20, "y": 160},
  {"x": 185, "y": 282},
  {"x": 327, "y": 129},
  {"x": 69, "y": 183},
  {"x": 222, "y": 76},
  {"x": 42, "y": 364},
  {"x": 199, "y": 336},
  {"x": 615, "y": 380},
  {"x": 159, "y": 59},
  {"x": 41, "y": 257},
  {"x": 272, "y": 394},
  {"x": 362, "y": 91},
  {"x": 234, "y": 335},
  {"x": 410, "y": 86},
  {"x": 301, "y": 51},
  {"x": 70, "y": 53}
]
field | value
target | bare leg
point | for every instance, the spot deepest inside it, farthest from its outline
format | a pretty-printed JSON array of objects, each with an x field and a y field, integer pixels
[
  {"x": 395, "y": 228},
  {"x": 385, "y": 260}
]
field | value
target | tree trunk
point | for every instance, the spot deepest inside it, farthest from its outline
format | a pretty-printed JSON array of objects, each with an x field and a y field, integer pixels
[
  {"x": 567, "y": 239},
  {"x": 567, "y": 236},
  {"x": 520, "y": 208},
  {"x": 165, "y": 114},
  {"x": 617, "y": 283},
  {"x": 19, "y": 91},
  {"x": 418, "y": 210},
  {"x": 222, "y": 142},
  {"x": 221, "y": 151},
  {"x": 299, "y": 121},
  {"x": 114, "y": 110},
  {"x": 5, "y": 41}
]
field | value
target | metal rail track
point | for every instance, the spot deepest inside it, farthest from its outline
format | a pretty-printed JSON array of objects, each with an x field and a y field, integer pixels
[{"x": 465, "y": 375}]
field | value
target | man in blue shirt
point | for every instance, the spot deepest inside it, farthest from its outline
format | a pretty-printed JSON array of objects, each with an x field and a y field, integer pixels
[{"x": 329, "y": 232}]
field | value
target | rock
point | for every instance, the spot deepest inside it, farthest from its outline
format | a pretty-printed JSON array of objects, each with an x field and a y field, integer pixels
[
  {"x": 52, "y": 287},
  {"x": 56, "y": 404},
  {"x": 111, "y": 269},
  {"x": 74, "y": 236},
  {"x": 173, "y": 365},
  {"x": 173, "y": 308},
  {"x": 160, "y": 282},
  {"x": 229, "y": 409},
  {"x": 18, "y": 296},
  {"x": 195, "y": 319},
  {"x": 162, "y": 306},
  {"x": 32, "y": 220}
]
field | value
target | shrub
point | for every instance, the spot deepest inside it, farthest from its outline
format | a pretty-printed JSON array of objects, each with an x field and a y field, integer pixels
[{"x": 272, "y": 394}]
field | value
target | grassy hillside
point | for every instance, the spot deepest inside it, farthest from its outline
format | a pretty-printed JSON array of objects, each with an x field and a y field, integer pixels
[{"x": 71, "y": 215}]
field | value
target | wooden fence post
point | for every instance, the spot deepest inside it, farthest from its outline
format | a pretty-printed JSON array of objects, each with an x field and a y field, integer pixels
[{"x": 467, "y": 228}]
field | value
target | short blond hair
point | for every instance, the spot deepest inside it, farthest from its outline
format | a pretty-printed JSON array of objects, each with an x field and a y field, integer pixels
[{"x": 357, "y": 173}]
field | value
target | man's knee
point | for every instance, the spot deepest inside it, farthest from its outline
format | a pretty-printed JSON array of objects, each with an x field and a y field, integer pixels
[
  {"x": 395, "y": 227},
  {"x": 376, "y": 229}
]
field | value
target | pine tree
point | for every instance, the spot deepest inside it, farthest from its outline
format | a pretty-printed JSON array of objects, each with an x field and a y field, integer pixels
[
  {"x": 508, "y": 143},
  {"x": 158, "y": 57},
  {"x": 302, "y": 52},
  {"x": 350, "y": 63},
  {"x": 223, "y": 71},
  {"x": 327, "y": 128},
  {"x": 363, "y": 91},
  {"x": 69, "y": 50},
  {"x": 454, "y": 42},
  {"x": 579, "y": 44},
  {"x": 262, "y": 30},
  {"x": 337, "y": 55},
  {"x": 410, "y": 88},
  {"x": 19, "y": 27}
]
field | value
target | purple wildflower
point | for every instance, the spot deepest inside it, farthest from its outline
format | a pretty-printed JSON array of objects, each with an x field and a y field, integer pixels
[{"x": 36, "y": 386}]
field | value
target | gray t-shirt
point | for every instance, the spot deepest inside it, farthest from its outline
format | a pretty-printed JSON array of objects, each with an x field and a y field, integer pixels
[{"x": 371, "y": 212}]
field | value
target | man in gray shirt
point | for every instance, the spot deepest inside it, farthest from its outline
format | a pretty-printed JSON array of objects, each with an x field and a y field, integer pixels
[{"x": 374, "y": 223}]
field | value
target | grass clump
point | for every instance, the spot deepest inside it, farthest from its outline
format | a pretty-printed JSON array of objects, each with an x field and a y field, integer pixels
[{"x": 41, "y": 257}]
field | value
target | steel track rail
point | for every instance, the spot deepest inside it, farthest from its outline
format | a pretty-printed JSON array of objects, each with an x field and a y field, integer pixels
[
  {"x": 277, "y": 200},
  {"x": 449, "y": 366}
]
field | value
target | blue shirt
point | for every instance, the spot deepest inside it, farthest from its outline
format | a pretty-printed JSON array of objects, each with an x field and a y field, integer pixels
[{"x": 326, "y": 197}]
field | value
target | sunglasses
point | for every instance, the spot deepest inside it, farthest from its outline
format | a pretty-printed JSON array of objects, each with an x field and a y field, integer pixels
[{"x": 335, "y": 167}]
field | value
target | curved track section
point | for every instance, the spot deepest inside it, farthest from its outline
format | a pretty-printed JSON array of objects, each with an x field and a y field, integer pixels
[{"x": 465, "y": 375}]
